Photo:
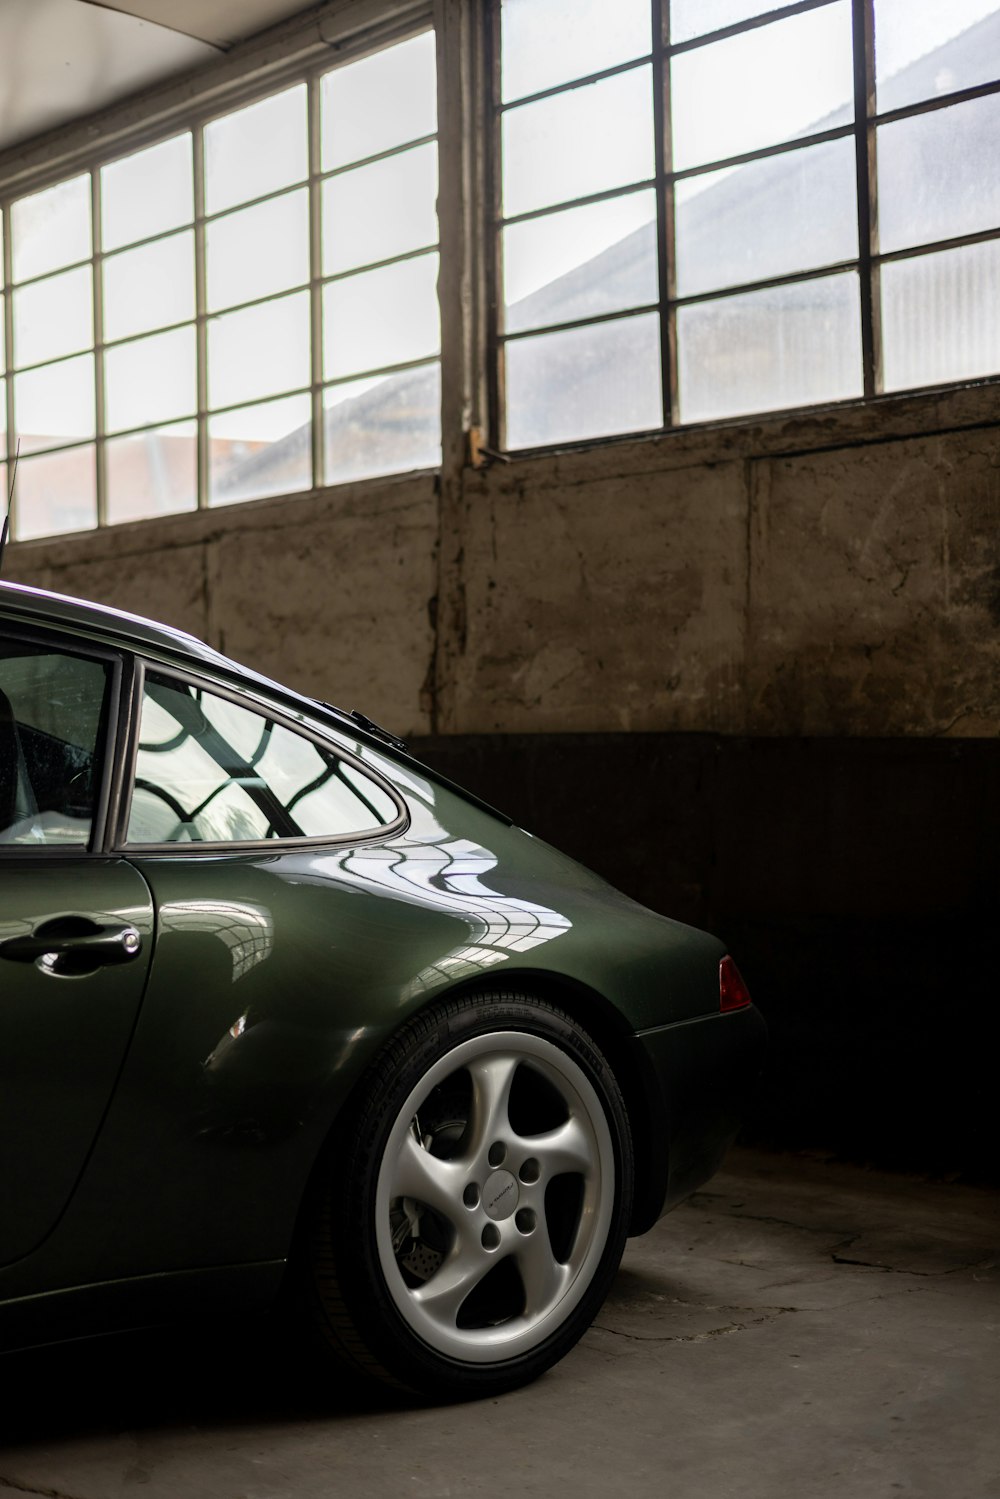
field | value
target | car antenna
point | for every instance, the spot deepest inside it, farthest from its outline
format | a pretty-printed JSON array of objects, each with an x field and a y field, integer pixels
[{"x": 10, "y": 499}]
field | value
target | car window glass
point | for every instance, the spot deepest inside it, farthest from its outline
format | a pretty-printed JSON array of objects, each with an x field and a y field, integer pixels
[
  {"x": 51, "y": 710},
  {"x": 209, "y": 770}
]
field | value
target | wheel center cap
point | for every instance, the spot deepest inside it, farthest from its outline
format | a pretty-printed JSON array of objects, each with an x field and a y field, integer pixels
[{"x": 500, "y": 1195}]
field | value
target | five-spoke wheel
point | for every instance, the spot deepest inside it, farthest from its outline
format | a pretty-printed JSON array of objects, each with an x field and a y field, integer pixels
[{"x": 478, "y": 1239}]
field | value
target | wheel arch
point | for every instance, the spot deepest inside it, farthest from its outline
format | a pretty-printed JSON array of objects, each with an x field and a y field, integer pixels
[{"x": 633, "y": 1070}]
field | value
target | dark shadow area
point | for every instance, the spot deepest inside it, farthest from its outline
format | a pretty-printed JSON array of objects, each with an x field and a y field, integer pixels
[
  {"x": 855, "y": 881},
  {"x": 228, "y": 1373}
]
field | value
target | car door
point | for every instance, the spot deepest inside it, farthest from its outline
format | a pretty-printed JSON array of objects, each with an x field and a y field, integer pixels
[{"x": 76, "y": 926}]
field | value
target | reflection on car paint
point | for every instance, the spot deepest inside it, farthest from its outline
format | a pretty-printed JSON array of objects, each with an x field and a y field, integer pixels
[{"x": 247, "y": 931}]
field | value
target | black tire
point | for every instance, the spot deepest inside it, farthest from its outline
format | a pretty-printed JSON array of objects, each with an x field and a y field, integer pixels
[{"x": 501, "y": 1111}]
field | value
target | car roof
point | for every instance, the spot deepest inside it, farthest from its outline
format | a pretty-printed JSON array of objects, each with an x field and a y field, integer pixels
[{"x": 42, "y": 606}]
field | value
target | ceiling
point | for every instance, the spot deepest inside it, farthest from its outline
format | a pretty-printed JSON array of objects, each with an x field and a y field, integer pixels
[{"x": 61, "y": 59}]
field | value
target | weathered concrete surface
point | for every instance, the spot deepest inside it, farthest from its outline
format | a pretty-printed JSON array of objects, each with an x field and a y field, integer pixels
[
  {"x": 799, "y": 1329},
  {"x": 328, "y": 593},
  {"x": 617, "y": 603},
  {"x": 817, "y": 575},
  {"x": 874, "y": 590}
]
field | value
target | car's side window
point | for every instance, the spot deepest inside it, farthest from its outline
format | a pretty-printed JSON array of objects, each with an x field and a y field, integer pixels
[
  {"x": 51, "y": 712},
  {"x": 209, "y": 770}
]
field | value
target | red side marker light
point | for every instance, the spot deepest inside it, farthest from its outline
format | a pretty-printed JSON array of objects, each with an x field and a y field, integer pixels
[{"x": 733, "y": 992}]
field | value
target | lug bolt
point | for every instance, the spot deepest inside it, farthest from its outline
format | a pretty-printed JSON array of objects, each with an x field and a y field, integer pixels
[
  {"x": 471, "y": 1196},
  {"x": 498, "y": 1153},
  {"x": 530, "y": 1171},
  {"x": 491, "y": 1236},
  {"x": 525, "y": 1220}
]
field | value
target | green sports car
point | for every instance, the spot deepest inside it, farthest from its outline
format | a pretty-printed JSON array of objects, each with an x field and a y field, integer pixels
[{"x": 286, "y": 1016}]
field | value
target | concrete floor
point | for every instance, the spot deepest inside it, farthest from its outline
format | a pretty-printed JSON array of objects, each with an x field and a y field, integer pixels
[{"x": 799, "y": 1329}]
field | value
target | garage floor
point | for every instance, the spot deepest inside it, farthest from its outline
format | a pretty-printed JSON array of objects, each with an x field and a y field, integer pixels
[{"x": 798, "y": 1329}]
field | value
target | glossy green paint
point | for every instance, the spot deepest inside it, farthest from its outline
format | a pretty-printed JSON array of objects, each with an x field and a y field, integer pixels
[{"x": 279, "y": 971}]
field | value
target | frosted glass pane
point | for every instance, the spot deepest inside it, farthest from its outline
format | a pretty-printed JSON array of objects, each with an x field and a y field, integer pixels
[
  {"x": 941, "y": 316},
  {"x": 54, "y": 316},
  {"x": 690, "y": 18},
  {"x": 152, "y": 473},
  {"x": 2, "y": 324},
  {"x": 147, "y": 193},
  {"x": 3, "y": 428},
  {"x": 149, "y": 287},
  {"x": 259, "y": 351},
  {"x": 928, "y": 47},
  {"x": 548, "y": 42},
  {"x": 383, "y": 317},
  {"x": 55, "y": 403},
  {"x": 260, "y": 450},
  {"x": 768, "y": 350},
  {"x": 581, "y": 262},
  {"x": 380, "y": 102},
  {"x": 383, "y": 426},
  {"x": 939, "y": 174},
  {"x": 55, "y": 493},
  {"x": 593, "y": 138},
  {"x": 150, "y": 380},
  {"x": 587, "y": 382},
  {"x": 51, "y": 229},
  {"x": 257, "y": 251},
  {"x": 378, "y": 211},
  {"x": 777, "y": 82},
  {"x": 256, "y": 150},
  {"x": 786, "y": 213}
]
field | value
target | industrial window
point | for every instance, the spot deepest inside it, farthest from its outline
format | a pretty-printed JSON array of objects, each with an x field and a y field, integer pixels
[
  {"x": 244, "y": 309},
  {"x": 712, "y": 208}
]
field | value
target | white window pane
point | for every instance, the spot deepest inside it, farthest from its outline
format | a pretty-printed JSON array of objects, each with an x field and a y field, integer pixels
[
  {"x": 381, "y": 210},
  {"x": 51, "y": 229},
  {"x": 928, "y": 47},
  {"x": 146, "y": 193},
  {"x": 586, "y": 382},
  {"x": 786, "y": 213},
  {"x": 3, "y": 424},
  {"x": 55, "y": 493},
  {"x": 379, "y": 102},
  {"x": 941, "y": 316},
  {"x": 385, "y": 425},
  {"x": 548, "y": 42},
  {"x": 130, "y": 304},
  {"x": 581, "y": 262},
  {"x": 771, "y": 84},
  {"x": 939, "y": 174},
  {"x": 152, "y": 473},
  {"x": 768, "y": 350},
  {"x": 571, "y": 145},
  {"x": 259, "y": 351},
  {"x": 55, "y": 403},
  {"x": 150, "y": 380},
  {"x": 258, "y": 251},
  {"x": 256, "y": 150},
  {"x": 383, "y": 317},
  {"x": 3, "y": 315},
  {"x": 691, "y": 18},
  {"x": 260, "y": 450},
  {"x": 54, "y": 316}
]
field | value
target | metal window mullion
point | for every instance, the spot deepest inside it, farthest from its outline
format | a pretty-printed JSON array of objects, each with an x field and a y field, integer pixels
[
  {"x": 863, "y": 36},
  {"x": 496, "y": 384},
  {"x": 200, "y": 312},
  {"x": 6, "y": 279},
  {"x": 666, "y": 256},
  {"x": 97, "y": 293},
  {"x": 314, "y": 126}
]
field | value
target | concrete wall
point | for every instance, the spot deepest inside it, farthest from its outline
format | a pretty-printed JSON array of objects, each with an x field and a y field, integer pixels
[
  {"x": 751, "y": 674},
  {"x": 828, "y": 575}
]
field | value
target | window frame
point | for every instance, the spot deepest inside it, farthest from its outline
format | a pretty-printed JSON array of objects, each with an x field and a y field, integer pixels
[
  {"x": 312, "y": 52},
  {"x": 863, "y": 128},
  {"x": 256, "y": 703},
  {"x": 109, "y": 737}
]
